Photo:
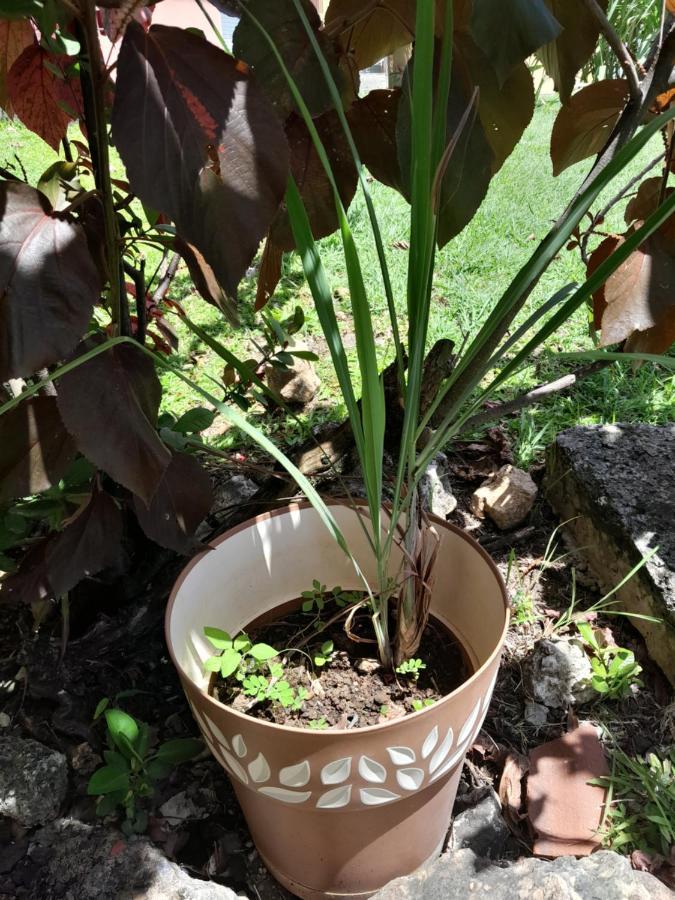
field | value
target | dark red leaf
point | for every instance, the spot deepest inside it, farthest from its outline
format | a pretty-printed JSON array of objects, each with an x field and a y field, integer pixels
[
  {"x": 89, "y": 542},
  {"x": 35, "y": 448},
  {"x": 109, "y": 405},
  {"x": 204, "y": 279},
  {"x": 572, "y": 49},
  {"x": 583, "y": 126},
  {"x": 29, "y": 583},
  {"x": 15, "y": 36},
  {"x": 310, "y": 176},
  {"x": 269, "y": 274},
  {"x": 44, "y": 103},
  {"x": 182, "y": 501},
  {"x": 280, "y": 19},
  {"x": 48, "y": 282},
  {"x": 201, "y": 143},
  {"x": 508, "y": 31},
  {"x": 372, "y": 120}
]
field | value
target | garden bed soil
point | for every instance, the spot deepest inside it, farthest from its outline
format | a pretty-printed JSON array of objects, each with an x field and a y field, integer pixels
[{"x": 352, "y": 690}]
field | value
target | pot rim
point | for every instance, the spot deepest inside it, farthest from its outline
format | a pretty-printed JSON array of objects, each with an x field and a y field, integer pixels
[{"x": 274, "y": 726}]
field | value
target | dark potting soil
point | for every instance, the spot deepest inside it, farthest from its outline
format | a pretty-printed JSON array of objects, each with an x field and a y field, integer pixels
[{"x": 352, "y": 690}]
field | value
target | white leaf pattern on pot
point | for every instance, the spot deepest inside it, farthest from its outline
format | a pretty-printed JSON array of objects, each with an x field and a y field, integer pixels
[
  {"x": 217, "y": 733},
  {"x": 449, "y": 764},
  {"x": 377, "y": 796},
  {"x": 372, "y": 771},
  {"x": 259, "y": 769},
  {"x": 442, "y": 752},
  {"x": 410, "y": 779},
  {"x": 234, "y": 766},
  {"x": 401, "y": 756},
  {"x": 295, "y": 776},
  {"x": 284, "y": 795},
  {"x": 335, "y": 798},
  {"x": 430, "y": 742},
  {"x": 470, "y": 722},
  {"x": 336, "y": 772},
  {"x": 239, "y": 745}
]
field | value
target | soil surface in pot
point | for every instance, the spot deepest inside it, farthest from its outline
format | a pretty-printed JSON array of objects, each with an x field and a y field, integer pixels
[{"x": 351, "y": 689}]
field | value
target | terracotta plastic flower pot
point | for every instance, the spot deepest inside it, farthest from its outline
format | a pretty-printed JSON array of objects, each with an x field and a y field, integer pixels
[{"x": 339, "y": 812}]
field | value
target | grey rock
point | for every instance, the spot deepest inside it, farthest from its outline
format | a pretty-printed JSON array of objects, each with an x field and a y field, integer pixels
[
  {"x": 506, "y": 497},
  {"x": 197, "y": 805},
  {"x": 232, "y": 492},
  {"x": 535, "y": 714},
  {"x": 5, "y": 720},
  {"x": 615, "y": 487},
  {"x": 481, "y": 828},
  {"x": 560, "y": 674},
  {"x": 461, "y": 874},
  {"x": 436, "y": 488},
  {"x": 298, "y": 383},
  {"x": 33, "y": 781},
  {"x": 87, "y": 862}
]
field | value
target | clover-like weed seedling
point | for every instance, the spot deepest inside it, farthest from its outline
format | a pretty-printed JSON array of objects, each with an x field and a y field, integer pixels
[
  {"x": 316, "y": 599},
  {"x": 131, "y": 768},
  {"x": 318, "y": 724},
  {"x": 325, "y": 654},
  {"x": 250, "y": 664},
  {"x": 411, "y": 667}
]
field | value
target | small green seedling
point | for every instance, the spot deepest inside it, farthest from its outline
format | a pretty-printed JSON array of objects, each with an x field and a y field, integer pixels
[
  {"x": 318, "y": 724},
  {"x": 131, "y": 769},
  {"x": 325, "y": 655},
  {"x": 417, "y": 705},
  {"x": 250, "y": 665},
  {"x": 615, "y": 670},
  {"x": 238, "y": 654},
  {"x": 316, "y": 599},
  {"x": 411, "y": 667}
]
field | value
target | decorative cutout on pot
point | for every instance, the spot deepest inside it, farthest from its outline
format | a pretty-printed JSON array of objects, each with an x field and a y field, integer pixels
[
  {"x": 448, "y": 765},
  {"x": 410, "y": 779},
  {"x": 377, "y": 796},
  {"x": 259, "y": 769},
  {"x": 335, "y": 798},
  {"x": 372, "y": 771},
  {"x": 402, "y": 756},
  {"x": 217, "y": 733},
  {"x": 295, "y": 776},
  {"x": 336, "y": 772},
  {"x": 442, "y": 752},
  {"x": 284, "y": 795},
  {"x": 430, "y": 742},
  {"x": 470, "y": 722},
  {"x": 239, "y": 745},
  {"x": 233, "y": 766}
]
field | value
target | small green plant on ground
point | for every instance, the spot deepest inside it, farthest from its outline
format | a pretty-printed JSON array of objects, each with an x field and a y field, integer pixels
[
  {"x": 318, "y": 724},
  {"x": 325, "y": 654},
  {"x": 132, "y": 768},
  {"x": 412, "y": 668},
  {"x": 640, "y": 806},
  {"x": 615, "y": 670},
  {"x": 250, "y": 665}
]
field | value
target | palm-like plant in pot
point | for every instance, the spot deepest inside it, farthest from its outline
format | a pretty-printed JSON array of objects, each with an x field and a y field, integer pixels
[
  {"x": 342, "y": 810},
  {"x": 337, "y": 810}
]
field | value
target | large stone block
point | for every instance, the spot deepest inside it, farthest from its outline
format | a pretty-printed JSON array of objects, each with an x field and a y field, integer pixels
[{"x": 615, "y": 486}]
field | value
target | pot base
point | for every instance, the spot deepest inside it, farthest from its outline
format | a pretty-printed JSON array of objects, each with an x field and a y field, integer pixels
[{"x": 308, "y": 893}]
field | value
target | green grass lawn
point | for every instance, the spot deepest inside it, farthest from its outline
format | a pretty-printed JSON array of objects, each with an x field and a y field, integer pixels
[{"x": 472, "y": 272}]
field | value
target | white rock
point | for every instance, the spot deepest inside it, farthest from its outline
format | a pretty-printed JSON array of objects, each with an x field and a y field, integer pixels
[
  {"x": 561, "y": 674},
  {"x": 506, "y": 497},
  {"x": 33, "y": 781},
  {"x": 436, "y": 488}
]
